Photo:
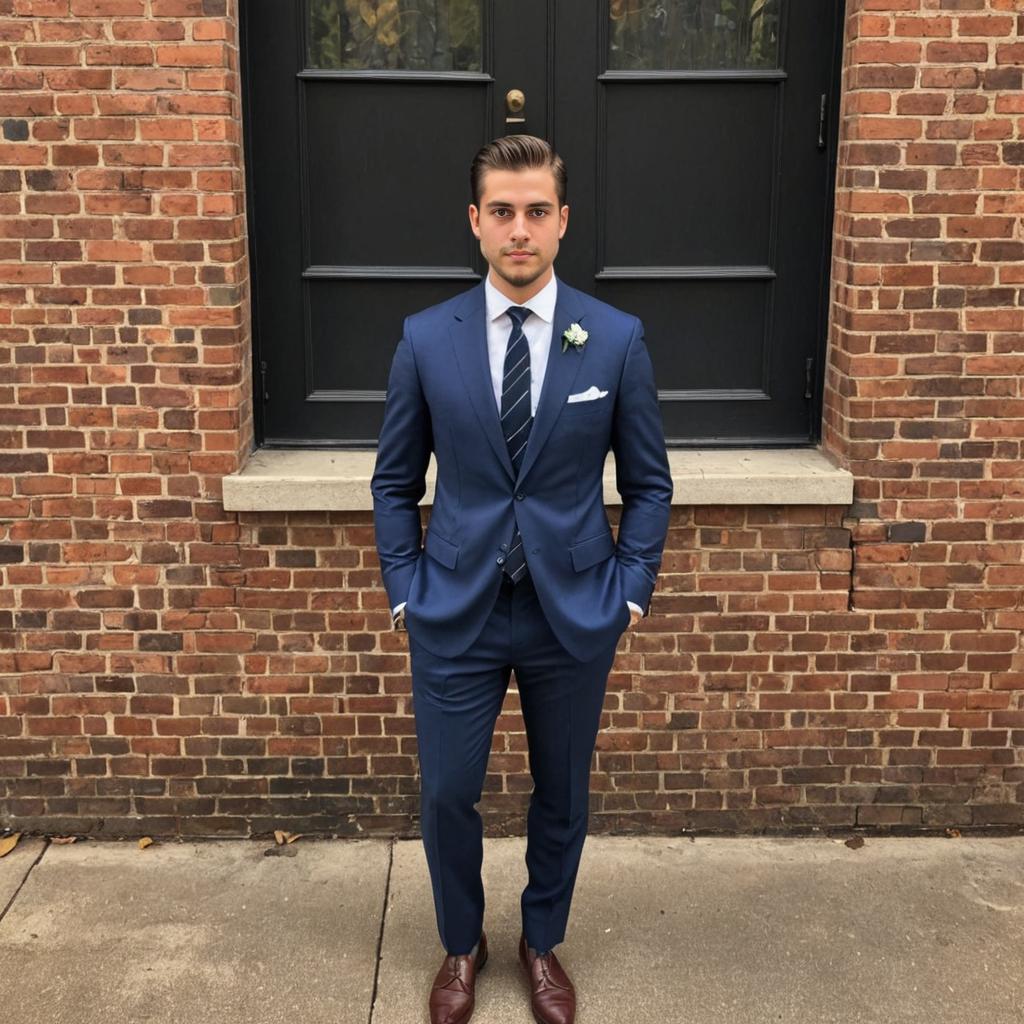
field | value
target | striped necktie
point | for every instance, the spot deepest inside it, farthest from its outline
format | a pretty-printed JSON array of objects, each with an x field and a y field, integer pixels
[{"x": 516, "y": 419}]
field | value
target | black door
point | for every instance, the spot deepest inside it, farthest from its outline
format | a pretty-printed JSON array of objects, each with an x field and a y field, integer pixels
[{"x": 700, "y": 153}]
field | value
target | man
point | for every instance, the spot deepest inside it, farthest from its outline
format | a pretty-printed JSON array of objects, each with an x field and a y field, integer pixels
[{"x": 519, "y": 387}]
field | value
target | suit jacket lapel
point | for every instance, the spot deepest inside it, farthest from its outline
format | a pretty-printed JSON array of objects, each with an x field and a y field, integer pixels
[
  {"x": 469, "y": 344},
  {"x": 561, "y": 370}
]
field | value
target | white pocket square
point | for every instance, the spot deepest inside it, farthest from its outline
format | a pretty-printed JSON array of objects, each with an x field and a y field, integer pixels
[{"x": 587, "y": 396}]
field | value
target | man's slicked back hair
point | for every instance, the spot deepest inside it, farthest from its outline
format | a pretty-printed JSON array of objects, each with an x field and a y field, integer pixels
[{"x": 516, "y": 153}]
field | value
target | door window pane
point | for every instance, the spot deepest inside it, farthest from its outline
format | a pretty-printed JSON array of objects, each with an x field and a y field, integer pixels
[
  {"x": 698, "y": 35},
  {"x": 407, "y": 35}
]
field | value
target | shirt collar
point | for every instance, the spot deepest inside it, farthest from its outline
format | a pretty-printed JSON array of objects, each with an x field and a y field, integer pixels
[{"x": 543, "y": 303}]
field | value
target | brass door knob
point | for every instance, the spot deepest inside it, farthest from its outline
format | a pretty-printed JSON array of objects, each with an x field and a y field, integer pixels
[{"x": 515, "y": 100}]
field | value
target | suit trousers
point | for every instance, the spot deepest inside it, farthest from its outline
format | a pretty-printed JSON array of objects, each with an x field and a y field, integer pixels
[{"x": 456, "y": 702}]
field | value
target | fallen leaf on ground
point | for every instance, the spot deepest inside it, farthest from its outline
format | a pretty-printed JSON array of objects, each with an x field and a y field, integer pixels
[
  {"x": 144, "y": 842},
  {"x": 286, "y": 837},
  {"x": 63, "y": 840},
  {"x": 8, "y": 843}
]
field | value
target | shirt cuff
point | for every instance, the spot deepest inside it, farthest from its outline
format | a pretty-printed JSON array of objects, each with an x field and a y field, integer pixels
[{"x": 635, "y": 607}]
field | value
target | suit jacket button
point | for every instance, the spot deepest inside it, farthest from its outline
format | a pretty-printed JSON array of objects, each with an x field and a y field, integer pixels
[
  {"x": 500, "y": 559},
  {"x": 519, "y": 497}
]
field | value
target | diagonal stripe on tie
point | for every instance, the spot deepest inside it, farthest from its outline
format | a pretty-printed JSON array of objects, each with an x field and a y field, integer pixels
[{"x": 516, "y": 419}]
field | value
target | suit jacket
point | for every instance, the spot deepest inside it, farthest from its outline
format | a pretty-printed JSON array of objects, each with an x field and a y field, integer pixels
[{"x": 440, "y": 399}]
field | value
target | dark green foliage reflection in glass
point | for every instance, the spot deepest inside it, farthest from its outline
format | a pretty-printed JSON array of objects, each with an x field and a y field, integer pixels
[
  {"x": 408, "y": 35},
  {"x": 698, "y": 35}
]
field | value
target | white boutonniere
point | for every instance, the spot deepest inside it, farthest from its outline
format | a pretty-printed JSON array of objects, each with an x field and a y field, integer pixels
[{"x": 574, "y": 335}]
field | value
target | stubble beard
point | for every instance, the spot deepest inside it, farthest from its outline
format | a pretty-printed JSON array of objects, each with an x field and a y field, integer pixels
[{"x": 523, "y": 278}]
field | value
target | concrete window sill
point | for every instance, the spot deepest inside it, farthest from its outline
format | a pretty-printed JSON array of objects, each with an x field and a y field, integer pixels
[{"x": 274, "y": 480}]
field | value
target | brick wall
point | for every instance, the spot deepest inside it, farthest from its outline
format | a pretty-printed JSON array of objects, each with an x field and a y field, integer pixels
[
  {"x": 167, "y": 667},
  {"x": 924, "y": 402}
]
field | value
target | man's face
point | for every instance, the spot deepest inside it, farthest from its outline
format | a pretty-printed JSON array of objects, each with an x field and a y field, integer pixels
[{"x": 519, "y": 224}]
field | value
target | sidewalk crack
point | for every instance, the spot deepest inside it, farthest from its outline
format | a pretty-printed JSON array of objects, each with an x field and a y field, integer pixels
[
  {"x": 14, "y": 896},
  {"x": 380, "y": 933}
]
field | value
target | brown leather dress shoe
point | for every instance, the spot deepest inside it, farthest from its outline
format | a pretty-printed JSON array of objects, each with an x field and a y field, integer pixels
[
  {"x": 451, "y": 995},
  {"x": 552, "y": 995}
]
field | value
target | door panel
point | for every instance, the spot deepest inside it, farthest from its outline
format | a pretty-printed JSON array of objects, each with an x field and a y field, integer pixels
[
  {"x": 364, "y": 205},
  {"x": 705, "y": 325},
  {"x": 689, "y": 173}
]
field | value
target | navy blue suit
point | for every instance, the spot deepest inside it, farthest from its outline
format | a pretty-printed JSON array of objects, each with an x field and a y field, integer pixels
[{"x": 468, "y": 627}]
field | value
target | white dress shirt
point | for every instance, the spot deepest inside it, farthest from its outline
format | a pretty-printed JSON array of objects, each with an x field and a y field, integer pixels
[{"x": 537, "y": 328}]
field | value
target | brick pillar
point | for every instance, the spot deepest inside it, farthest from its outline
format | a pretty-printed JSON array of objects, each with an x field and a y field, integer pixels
[
  {"x": 923, "y": 399},
  {"x": 124, "y": 398}
]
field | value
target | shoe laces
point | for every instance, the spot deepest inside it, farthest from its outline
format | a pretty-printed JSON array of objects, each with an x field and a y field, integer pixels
[
  {"x": 459, "y": 968},
  {"x": 544, "y": 959}
]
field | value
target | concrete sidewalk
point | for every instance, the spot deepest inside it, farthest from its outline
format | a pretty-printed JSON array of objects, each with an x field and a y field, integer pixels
[{"x": 709, "y": 930}]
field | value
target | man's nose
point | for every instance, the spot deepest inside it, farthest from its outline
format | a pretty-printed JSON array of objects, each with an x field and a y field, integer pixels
[{"x": 521, "y": 227}]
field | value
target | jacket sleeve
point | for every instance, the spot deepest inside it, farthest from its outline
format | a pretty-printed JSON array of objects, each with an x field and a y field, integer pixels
[
  {"x": 399, "y": 475},
  {"x": 642, "y": 475}
]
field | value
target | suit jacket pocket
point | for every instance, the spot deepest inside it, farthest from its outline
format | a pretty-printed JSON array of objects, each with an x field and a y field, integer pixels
[
  {"x": 591, "y": 551},
  {"x": 444, "y": 551},
  {"x": 595, "y": 406}
]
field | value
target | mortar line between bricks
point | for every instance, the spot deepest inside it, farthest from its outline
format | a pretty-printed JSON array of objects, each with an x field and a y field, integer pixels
[
  {"x": 14, "y": 896},
  {"x": 380, "y": 932}
]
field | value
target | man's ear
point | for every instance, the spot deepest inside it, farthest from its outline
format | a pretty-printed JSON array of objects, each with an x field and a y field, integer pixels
[
  {"x": 474, "y": 220},
  {"x": 563, "y": 214}
]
